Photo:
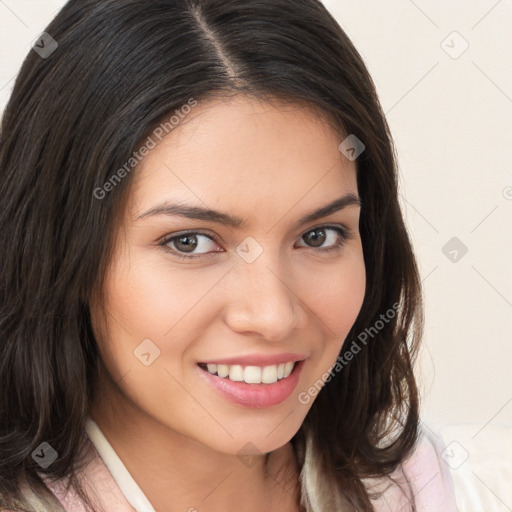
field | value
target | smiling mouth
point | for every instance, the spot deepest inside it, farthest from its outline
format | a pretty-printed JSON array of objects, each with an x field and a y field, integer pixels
[{"x": 251, "y": 374}]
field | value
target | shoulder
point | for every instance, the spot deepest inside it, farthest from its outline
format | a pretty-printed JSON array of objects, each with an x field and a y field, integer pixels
[
  {"x": 424, "y": 476},
  {"x": 430, "y": 475},
  {"x": 97, "y": 482}
]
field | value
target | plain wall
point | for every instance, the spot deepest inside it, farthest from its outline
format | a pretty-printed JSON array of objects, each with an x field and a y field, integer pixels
[{"x": 450, "y": 116}]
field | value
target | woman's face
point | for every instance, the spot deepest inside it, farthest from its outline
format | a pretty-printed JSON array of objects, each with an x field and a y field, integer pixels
[{"x": 245, "y": 295}]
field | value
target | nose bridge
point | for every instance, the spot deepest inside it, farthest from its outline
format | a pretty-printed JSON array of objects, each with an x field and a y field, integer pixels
[{"x": 262, "y": 297}]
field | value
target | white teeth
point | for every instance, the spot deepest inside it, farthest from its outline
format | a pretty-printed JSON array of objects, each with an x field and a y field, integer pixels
[
  {"x": 269, "y": 374},
  {"x": 288, "y": 367},
  {"x": 236, "y": 373},
  {"x": 222, "y": 370},
  {"x": 252, "y": 374}
]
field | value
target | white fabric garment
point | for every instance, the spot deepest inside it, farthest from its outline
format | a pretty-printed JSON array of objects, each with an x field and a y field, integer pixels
[
  {"x": 425, "y": 472},
  {"x": 124, "y": 480}
]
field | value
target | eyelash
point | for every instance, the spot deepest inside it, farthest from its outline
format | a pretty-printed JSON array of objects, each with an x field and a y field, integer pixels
[{"x": 345, "y": 234}]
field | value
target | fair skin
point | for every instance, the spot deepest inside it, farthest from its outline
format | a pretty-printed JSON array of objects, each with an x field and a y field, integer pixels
[{"x": 177, "y": 435}]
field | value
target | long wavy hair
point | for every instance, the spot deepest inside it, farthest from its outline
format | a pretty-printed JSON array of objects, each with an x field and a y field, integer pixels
[{"x": 77, "y": 115}]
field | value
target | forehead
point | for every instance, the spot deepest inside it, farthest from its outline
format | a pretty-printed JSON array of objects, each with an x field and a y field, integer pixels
[{"x": 245, "y": 155}]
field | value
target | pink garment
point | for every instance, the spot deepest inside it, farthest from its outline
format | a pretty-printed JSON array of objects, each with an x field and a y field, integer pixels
[
  {"x": 426, "y": 471},
  {"x": 100, "y": 485},
  {"x": 429, "y": 478}
]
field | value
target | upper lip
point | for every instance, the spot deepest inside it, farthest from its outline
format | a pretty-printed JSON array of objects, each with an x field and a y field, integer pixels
[{"x": 258, "y": 359}]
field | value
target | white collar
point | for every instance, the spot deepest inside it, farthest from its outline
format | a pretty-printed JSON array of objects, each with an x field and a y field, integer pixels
[{"x": 132, "y": 492}]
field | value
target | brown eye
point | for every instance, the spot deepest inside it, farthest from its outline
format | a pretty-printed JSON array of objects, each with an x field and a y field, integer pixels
[
  {"x": 186, "y": 243},
  {"x": 315, "y": 237},
  {"x": 335, "y": 236},
  {"x": 189, "y": 245}
]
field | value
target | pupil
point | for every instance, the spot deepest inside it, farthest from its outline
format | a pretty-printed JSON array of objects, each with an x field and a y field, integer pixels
[
  {"x": 318, "y": 239},
  {"x": 189, "y": 247}
]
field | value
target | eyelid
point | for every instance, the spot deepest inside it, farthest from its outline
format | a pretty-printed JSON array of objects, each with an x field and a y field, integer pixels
[
  {"x": 216, "y": 238},
  {"x": 342, "y": 229},
  {"x": 171, "y": 236}
]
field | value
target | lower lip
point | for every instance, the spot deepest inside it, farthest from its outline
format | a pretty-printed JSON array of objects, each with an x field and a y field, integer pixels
[{"x": 254, "y": 395}]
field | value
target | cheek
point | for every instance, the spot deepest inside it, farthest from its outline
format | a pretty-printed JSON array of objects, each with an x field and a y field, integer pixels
[
  {"x": 337, "y": 294},
  {"x": 146, "y": 306},
  {"x": 335, "y": 299},
  {"x": 151, "y": 299},
  {"x": 147, "y": 299}
]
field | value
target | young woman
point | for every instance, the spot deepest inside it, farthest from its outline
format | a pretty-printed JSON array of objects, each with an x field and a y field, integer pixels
[{"x": 208, "y": 297}]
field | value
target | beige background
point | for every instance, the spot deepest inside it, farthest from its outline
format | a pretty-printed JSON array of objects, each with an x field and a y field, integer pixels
[{"x": 451, "y": 120}]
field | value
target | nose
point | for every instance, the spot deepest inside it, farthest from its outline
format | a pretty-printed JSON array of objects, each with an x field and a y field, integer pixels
[{"x": 263, "y": 300}]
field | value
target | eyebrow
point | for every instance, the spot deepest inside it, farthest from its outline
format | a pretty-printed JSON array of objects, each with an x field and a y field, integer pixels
[{"x": 206, "y": 214}]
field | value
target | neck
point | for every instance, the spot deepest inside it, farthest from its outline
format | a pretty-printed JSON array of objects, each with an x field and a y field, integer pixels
[{"x": 178, "y": 473}]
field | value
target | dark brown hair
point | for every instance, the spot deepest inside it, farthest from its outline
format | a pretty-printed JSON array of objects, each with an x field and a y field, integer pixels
[{"x": 77, "y": 115}]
